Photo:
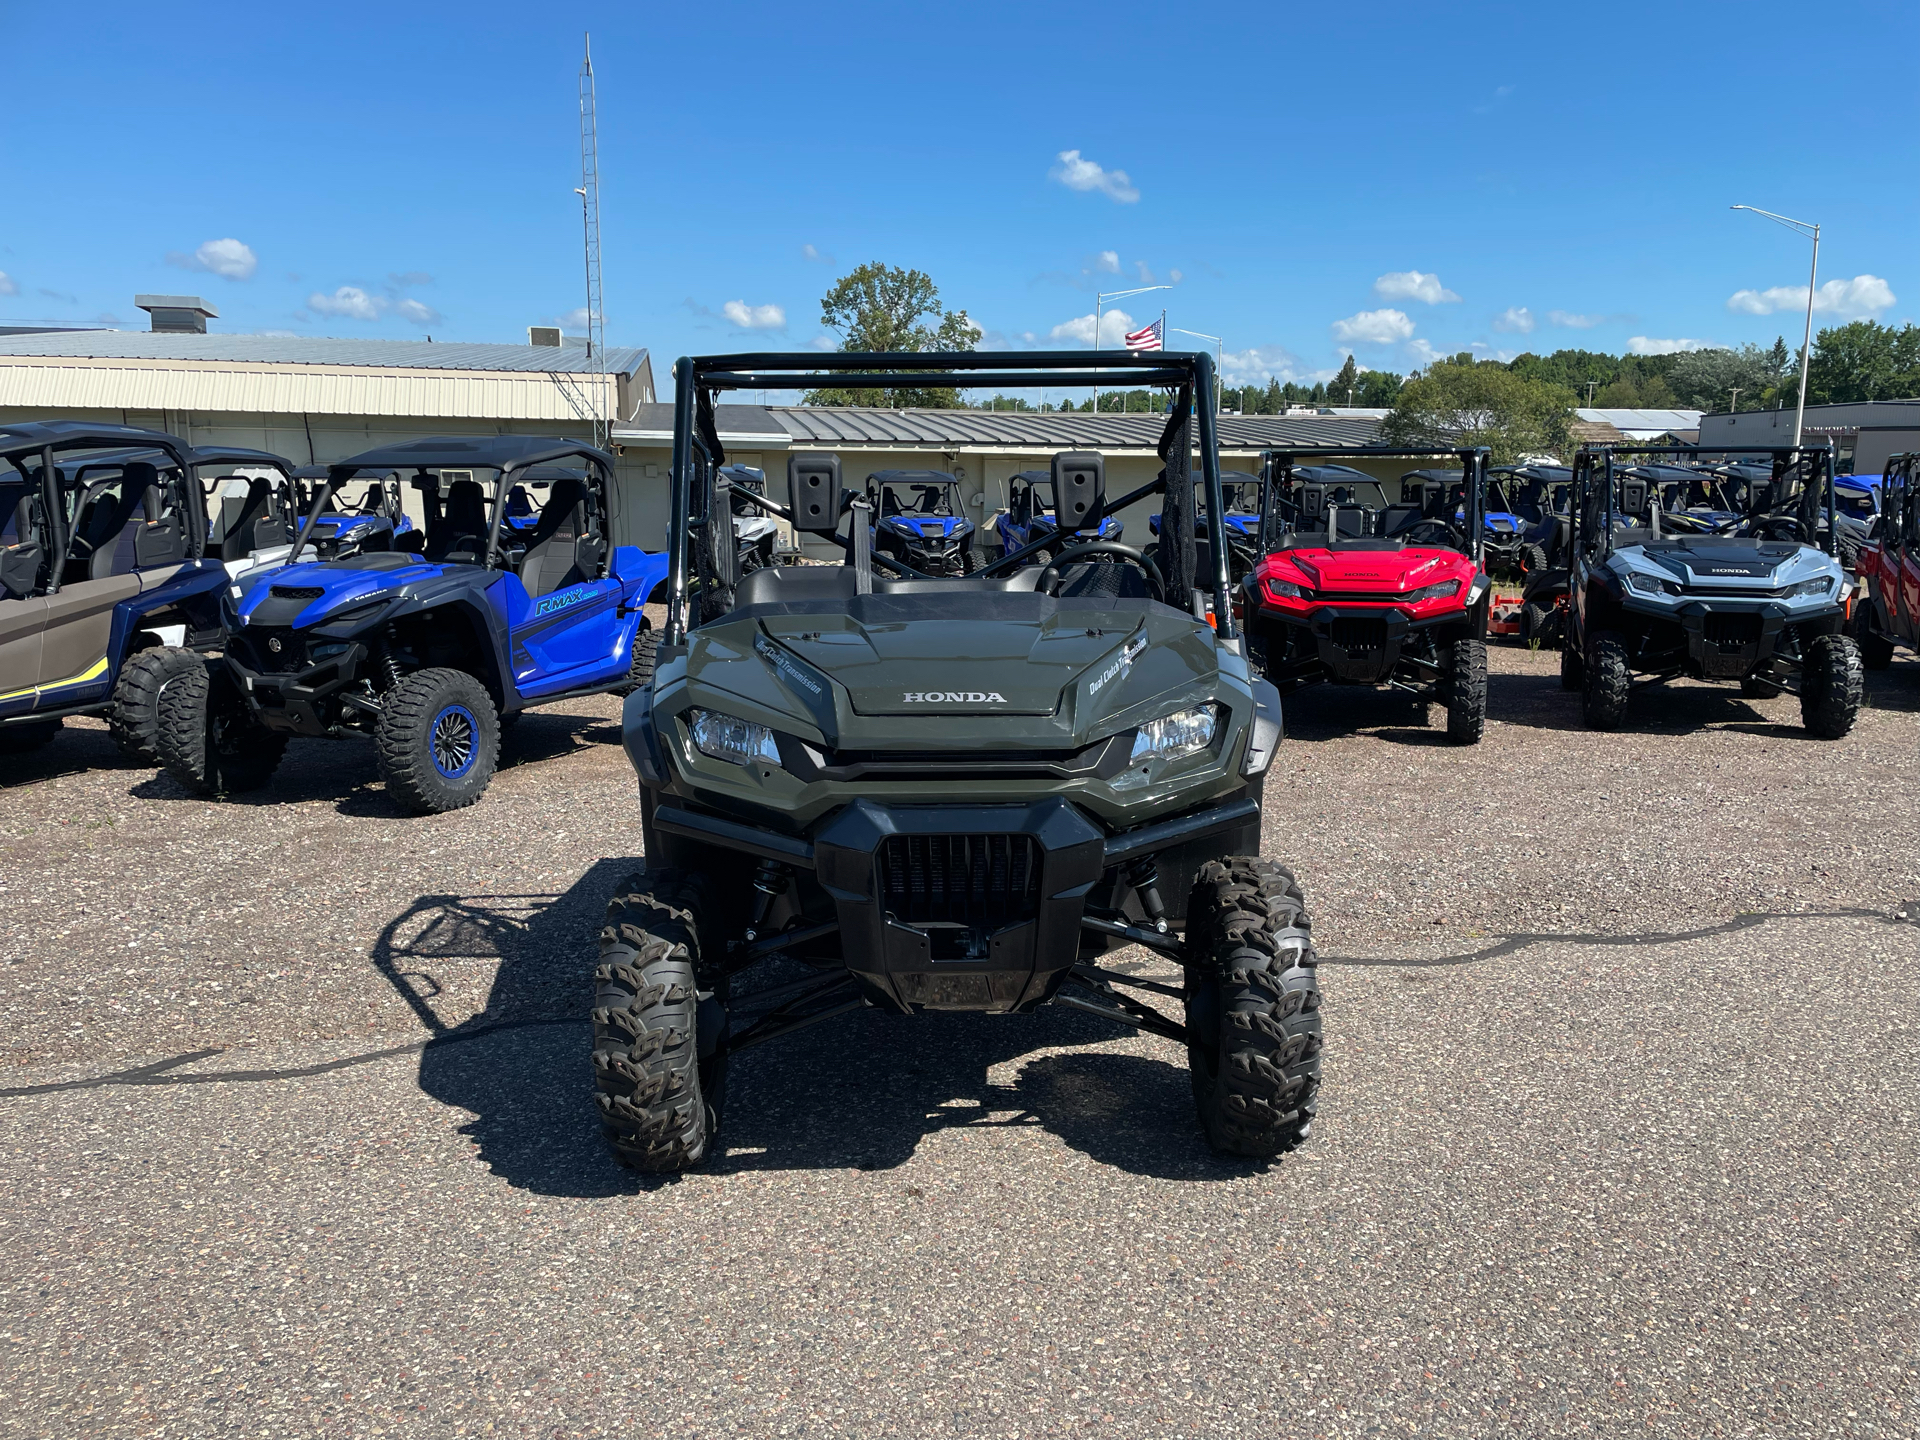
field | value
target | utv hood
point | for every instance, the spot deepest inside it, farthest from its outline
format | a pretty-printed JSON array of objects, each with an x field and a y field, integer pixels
[
  {"x": 1705, "y": 563},
  {"x": 1371, "y": 572},
  {"x": 1068, "y": 665}
]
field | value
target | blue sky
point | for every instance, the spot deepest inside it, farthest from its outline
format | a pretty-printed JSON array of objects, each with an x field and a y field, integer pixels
[{"x": 1394, "y": 181}]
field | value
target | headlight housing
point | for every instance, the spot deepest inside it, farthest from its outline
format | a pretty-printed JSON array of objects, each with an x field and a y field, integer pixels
[
  {"x": 1444, "y": 590},
  {"x": 1819, "y": 585},
  {"x": 1651, "y": 584},
  {"x": 1287, "y": 590},
  {"x": 1172, "y": 737},
  {"x": 725, "y": 737}
]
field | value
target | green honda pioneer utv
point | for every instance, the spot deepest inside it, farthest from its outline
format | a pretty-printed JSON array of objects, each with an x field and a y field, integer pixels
[{"x": 950, "y": 792}]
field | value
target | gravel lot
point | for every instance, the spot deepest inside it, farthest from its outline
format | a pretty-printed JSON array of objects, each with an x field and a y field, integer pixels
[{"x": 1618, "y": 1135}]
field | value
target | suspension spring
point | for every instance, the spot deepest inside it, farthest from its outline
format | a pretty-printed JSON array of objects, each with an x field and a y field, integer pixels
[{"x": 386, "y": 668}]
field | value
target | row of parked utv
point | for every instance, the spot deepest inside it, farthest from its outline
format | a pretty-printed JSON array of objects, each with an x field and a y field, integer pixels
[{"x": 211, "y": 603}]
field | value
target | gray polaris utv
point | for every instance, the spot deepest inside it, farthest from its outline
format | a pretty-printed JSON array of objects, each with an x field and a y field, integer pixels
[
  {"x": 1751, "y": 597},
  {"x": 954, "y": 792}
]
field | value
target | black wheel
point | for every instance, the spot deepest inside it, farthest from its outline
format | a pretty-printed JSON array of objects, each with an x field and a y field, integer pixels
[
  {"x": 1467, "y": 692},
  {"x": 659, "y": 1039},
  {"x": 1573, "y": 666},
  {"x": 1532, "y": 559},
  {"x": 1876, "y": 650},
  {"x": 133, "y": 716},
  {"x": 1756, "y": 687},
  {"x": 1831, "y": 684},
  {"x": 646, "y": 644},
  {"x": 1253, "y": 1008},
  {"x": 1536, "y": 625},
  {"x": 18, "y": 739},
  {"x": 208, "y": 739},
  {"x": 438, "y": 740},
  {"x": 1608, "y": 682}
]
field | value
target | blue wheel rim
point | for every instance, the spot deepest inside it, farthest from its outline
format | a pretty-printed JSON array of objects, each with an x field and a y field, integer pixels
[{"x": 454, "y": 741}]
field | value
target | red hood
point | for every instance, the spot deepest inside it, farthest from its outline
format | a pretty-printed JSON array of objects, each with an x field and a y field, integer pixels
[{"x": 1367, "y": 571}]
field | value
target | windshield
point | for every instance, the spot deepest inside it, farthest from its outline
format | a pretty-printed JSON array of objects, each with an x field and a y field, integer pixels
[{"x": 916, "y": 499}]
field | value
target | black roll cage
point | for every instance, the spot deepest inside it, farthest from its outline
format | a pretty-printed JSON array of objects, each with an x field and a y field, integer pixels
[
  {"x": 698, "y": 454},
  {"x": 44, "y": 442},
  {"x": 1276, "y": 472},
  {"x": 599, "y": 481},
  {"x": 1593, "y": 468},
  {"x": 1897, "y": 480}
]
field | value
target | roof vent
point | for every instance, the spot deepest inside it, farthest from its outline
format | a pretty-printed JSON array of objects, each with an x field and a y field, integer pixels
[
  {"x": 177, "y": 314},
  {"x": 547, "y": 336}
]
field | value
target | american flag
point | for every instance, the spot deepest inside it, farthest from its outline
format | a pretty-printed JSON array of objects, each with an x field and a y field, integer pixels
[{"x": 1148, "y": 337}]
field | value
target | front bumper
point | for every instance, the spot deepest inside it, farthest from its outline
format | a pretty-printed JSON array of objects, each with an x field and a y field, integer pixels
[
  {"x": 1360, "y": 644},
  {"x": 1726, "y": 639},
  {"x": 298, "y": 701},
  {"x": 964, "y": 907}
]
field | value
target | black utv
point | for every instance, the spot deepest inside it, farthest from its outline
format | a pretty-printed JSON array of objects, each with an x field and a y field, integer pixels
[{"x": 950, "y": 792}]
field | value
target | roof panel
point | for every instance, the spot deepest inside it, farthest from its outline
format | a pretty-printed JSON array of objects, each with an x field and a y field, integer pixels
[{"x": 317, "y": 350}]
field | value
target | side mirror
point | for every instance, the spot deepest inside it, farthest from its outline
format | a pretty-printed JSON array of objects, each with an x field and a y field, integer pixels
[
  {"x": 813, "y": 492},
  {"x": 1633, "y": 496},
  {"x": 1079, "y": 488}
]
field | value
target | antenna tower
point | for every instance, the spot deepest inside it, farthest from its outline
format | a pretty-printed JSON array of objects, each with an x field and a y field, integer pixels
[{"x": 589, "y": 193}]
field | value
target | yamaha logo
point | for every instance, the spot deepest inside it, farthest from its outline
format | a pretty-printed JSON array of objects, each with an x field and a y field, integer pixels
[{"x": 953, "y": 697}]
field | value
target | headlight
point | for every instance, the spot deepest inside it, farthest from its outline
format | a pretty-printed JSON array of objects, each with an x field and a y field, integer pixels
[
  {"x": 1287, "y": 590},
  {"x": 1651, "y": 584},
  {"x": 1186, "y": 732},
  {"x": 725, "y": 738},
  {"x": 1445, "y": 590},
  {"x": 1819, "y": 585}
]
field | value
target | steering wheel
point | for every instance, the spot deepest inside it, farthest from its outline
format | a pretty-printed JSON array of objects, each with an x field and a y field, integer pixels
[{"x": 1049, "y": 581}]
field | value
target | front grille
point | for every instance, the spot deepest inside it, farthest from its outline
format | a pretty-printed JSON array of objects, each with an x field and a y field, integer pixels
[
  {"x": 1358, "y": 635},
  {"x": 983, "y": 882},
  {"x": 296, "y": 592},
  {"x": 1732, "y": 632},
  {"x": 264, "y": 658}
]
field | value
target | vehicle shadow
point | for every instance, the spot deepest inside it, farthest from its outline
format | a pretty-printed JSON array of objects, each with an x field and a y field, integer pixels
[
  {"x": 1896, "y": 688},
  {"x": 76, "y": 749},
  {"x": 858, "y": 1092}
]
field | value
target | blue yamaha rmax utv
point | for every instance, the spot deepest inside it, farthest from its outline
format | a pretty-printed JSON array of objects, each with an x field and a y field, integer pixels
[
  {"x": 918, "y": 520},
  {"x": 426, "y": 651},
  {"x": 1502, "y": 525},
  {"x": 107, "y": 589},
  {"x": 950, "y": 792},
  {"x": 1029, "y": 519},
  {"x": 1761, "y": 599},
  {"x": 366, "y": 512}
]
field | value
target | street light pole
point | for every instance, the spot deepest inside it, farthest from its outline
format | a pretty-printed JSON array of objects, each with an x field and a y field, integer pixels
[
  {"x": 1220, "y": 353},
  {"x": 1811, "y": 231},
  {"x": 1099, "y": 304}
]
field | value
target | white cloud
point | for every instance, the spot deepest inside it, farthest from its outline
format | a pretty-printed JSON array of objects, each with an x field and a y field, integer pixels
[
  {"x": 1078, "y": 173},
  {"x": 1412, "y": 285},
  {"x": 228, "y": 258},
  {"x": 1259, "y": 363},
  {"x": 1645, "y": 345},
  {"x": 574, "y": 322},
  {"x": 417, "y": 312},
  {"x": 1860, "y": 298},
  {"x": 807, "y": 252},
  {"x": 1107, "y": 262},
  {"x": 1374, "y": 327},
  {"x": 349, "y": 301},
  {"x": 823, "y": 342},
  {"x": 1114, "y": 325},
  {"x": 755, "y": 317},
  {"x": 8, "y": 285},
  {"x": 1567, "y": 320},
  {"x": 1175, "y": 276},
  {"x": 1147, "y": 277},
  {"x": 1420, "y": 354},
  {"x": 1514, "y": 320}
]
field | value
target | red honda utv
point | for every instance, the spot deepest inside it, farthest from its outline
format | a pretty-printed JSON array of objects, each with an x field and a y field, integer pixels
[{"x": 1356, "y": 588}]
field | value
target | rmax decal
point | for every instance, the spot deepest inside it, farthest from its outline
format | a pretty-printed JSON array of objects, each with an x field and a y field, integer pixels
[
  {"x": 560, "y": 600},
  {"x": 954, "y": 697},
  {"x": 784, "y": 665},
  {"x": 1127, "y": 651}
]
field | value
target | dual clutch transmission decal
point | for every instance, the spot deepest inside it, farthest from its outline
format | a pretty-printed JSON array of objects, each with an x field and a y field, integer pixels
[{"x": 801, "y": 680}]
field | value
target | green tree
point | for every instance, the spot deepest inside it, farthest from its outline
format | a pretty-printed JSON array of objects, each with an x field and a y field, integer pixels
[
  {"x": 1864, "y": 361},
  {"x": 1481, "y": 404},
  {"x": 1377, "y": 388},
  {"x": 1706, "y": 379},
  {"x": 1275, "y": 400},
  {"x": 884, "y": 308},
  {"x": 1346, "y": 383}
]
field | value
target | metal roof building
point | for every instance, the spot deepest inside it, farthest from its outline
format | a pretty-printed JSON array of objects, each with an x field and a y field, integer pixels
[
  {"x": 104, "y": 373},
  {"x": 1863, "y": 433}
]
